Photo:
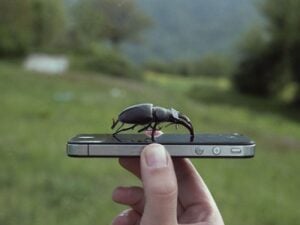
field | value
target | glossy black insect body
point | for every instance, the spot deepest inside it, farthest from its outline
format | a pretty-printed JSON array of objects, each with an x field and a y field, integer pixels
[{"x": 150, "y": 116}]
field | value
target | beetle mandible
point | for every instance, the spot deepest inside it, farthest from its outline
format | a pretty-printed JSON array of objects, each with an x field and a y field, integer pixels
[{"x": 150, "y": 116}]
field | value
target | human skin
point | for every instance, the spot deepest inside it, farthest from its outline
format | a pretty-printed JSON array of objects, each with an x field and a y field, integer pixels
[{"x": 172, "y": 192}]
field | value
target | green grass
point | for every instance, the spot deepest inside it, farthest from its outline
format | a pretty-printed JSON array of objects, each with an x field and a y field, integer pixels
[{"x": 39, "y": 184}]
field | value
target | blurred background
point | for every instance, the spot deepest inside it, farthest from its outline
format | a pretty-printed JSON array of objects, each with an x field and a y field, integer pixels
[{"x": 69, "y": 67}]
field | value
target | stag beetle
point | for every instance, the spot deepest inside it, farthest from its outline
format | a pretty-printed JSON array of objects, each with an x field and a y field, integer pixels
[{"x": 150, "y": 116}]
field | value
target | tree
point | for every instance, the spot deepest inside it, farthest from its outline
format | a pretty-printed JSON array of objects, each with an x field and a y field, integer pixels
[
  {"x": 15, "y": 27},
  {"x": 122, "y": 21},
  {"x": 47, "y": 23},
  {"x": 114, "y": 20},
  {"x": 284, "y": 26},
  {"x": 282, "y": 50},
  {"x": 29, "y": 24},
  {"x": 85, "y": 26},
  {"x": 295, "y": 67},
  {"x": 256, "y": 73}
]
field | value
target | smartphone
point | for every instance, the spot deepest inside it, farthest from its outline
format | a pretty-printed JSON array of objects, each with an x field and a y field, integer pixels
[{"x": 178, "y": 145}]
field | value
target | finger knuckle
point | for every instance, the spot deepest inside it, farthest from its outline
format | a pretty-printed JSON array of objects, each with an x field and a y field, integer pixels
[{"x": 166, "y": 189}]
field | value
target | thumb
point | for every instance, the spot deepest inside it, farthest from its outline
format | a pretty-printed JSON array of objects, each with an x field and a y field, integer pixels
[{"x": 160, "y": 186}]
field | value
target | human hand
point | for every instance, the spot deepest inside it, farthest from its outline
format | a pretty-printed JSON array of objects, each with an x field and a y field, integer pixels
[{"x": 173, "y": 192}]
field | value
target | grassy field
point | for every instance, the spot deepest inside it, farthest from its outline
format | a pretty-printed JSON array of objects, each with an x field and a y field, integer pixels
[{"x": 39, "y": 184}]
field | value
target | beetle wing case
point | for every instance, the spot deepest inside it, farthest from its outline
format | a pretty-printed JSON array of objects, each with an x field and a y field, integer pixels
[{"x": 141, "y": 113}]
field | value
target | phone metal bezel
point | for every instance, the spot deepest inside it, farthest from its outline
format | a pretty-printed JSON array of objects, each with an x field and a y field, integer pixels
[{"x": 189, "y": 150}]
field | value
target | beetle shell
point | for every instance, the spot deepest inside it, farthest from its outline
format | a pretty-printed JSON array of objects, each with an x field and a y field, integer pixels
[
  {"x": 161, "y": 114},
  {"x": 138, "y": 114}
]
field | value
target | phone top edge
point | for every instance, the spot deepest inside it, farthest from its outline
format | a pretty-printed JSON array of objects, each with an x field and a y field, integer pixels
[{"x": 169, "y": 139}]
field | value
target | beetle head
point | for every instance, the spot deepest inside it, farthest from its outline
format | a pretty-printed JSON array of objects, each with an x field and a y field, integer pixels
[{"x": 178, "y": 118}]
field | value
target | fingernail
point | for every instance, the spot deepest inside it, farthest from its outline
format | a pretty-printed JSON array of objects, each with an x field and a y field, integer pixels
[
  {"x": 125, "y": 212},
  {"x": 156, "y": 156}
]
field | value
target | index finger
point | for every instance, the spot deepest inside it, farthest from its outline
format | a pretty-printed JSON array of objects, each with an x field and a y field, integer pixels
[
  {"x": 132, "y": 165},
  {"x": 192, "y": 188}
]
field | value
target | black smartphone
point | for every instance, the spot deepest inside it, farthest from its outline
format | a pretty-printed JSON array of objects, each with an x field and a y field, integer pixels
[{"x": 178, "y": 145}]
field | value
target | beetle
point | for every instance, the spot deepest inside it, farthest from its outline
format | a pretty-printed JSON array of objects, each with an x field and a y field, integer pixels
[{"x": 150, "y": 116}]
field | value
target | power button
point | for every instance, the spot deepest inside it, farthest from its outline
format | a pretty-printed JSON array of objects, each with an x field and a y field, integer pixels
[{"x": 216, "y": 150}]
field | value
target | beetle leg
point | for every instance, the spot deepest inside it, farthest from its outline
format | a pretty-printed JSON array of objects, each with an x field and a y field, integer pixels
[
  {"x": 115, "y": 122},
  {"x": 124, "y": 129},
  {"x": 153, "y": 131},
  {"x": 120, "y": 127},
  {"x": 155, "y": 127},
  {"x": 144, "y": 128}
]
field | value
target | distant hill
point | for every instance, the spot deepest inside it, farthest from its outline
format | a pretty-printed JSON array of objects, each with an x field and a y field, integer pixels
[{"x": 191, "y": 28}]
